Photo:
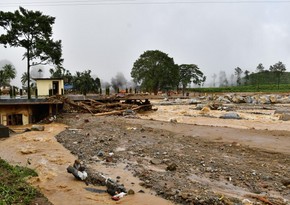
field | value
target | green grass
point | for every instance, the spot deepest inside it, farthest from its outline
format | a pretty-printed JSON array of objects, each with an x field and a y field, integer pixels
[
  {"x": 244, "y": 88},
  {"x": 13, "y": 187}
]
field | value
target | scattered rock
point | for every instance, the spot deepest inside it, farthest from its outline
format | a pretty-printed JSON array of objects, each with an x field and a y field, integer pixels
[
  {"x": 155, "y": 161},
  {"x": 230, "y": 115},
  {"x": 173, "y": 120},
  {"x": 284, "y": 117},
  {"x": 286, "y": 182},
  {"x": 171, "y": 167},
  {"x": 37, "y": 128},
  {"x": 130, "y": 192}
]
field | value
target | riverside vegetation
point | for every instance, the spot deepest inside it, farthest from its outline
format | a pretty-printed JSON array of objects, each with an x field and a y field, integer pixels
[{"x": 13, "y": 186}]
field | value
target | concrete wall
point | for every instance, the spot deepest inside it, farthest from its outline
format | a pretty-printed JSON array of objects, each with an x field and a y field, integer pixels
[
  {"x": 43, "y": 86},
  {"x": 24, "y": 110}
]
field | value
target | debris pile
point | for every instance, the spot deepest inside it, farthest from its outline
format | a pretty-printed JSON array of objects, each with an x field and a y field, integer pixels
[
  {"x": 103, "y": 107},
  {"x": 117, "y": 191}
]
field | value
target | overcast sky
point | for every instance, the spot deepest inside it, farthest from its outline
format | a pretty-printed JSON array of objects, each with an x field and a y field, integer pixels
[{"x": 107, "y": 37}]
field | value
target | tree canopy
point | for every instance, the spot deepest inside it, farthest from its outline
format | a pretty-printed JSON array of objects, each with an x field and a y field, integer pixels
[
  {"x": 190, "y": 73},
  {"x": 154, "y": 71},
  {"x": 61, "y": 72},
  {"x": 32, "y": 31},
  {"x": 278, "y": 68},
  {"x": 84, "y": 83}
]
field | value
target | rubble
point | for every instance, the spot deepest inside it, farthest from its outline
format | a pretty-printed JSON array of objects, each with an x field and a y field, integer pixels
[
  {"x": 110, "y": 106},
  {"x": 179, "y": 167},
  {"x": 37, "y": 128}
]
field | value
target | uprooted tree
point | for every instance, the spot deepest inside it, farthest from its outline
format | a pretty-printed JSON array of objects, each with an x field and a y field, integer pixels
[{"x": 32, "y": 31}]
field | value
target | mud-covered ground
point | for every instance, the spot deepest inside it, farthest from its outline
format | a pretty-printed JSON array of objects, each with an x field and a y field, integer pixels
[{"x": 185, "y": 163}]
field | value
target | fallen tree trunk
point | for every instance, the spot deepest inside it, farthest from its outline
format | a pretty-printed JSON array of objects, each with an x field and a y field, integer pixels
[
  {"x": 115, "y": 112},
  {"x": 113, "y": 187}
]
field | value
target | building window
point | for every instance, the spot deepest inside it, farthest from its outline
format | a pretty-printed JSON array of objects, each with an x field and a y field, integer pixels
[{"x": 15, "y": 119}]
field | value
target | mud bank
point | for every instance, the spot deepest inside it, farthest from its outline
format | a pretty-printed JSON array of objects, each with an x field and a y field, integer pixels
[{"x": 211, "y": 165}]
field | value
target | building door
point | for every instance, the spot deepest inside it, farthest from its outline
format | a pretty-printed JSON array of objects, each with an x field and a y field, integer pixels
[{"x": 55, "y": 87}]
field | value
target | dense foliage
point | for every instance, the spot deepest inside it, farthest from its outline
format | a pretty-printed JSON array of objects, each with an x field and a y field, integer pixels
[
  {"x": 84, "y": 83},
  {"x": 154, "y": 71},
  {"x": 190, "y": 73},
  {"x": 32, "y": 31}
]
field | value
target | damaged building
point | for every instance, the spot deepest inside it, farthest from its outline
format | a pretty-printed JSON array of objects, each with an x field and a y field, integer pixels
[
  {"x": 21, "y": 111},
  {"x": 24, "y": 111}
]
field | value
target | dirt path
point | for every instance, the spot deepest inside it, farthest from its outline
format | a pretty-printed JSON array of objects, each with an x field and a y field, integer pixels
[{"x": 41, "y": 151}]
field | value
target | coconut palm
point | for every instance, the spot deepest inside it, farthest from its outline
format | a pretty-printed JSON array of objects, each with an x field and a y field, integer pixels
[{"x": 7, "y": 73}]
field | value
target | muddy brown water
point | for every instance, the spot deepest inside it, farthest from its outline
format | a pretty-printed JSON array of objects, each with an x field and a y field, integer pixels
[
  {"x": 50, "y": 159},
  {"x": 264, "y": 130}
]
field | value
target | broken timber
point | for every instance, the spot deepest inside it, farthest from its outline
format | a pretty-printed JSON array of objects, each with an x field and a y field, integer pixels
[{"x": 101, "y": 108}]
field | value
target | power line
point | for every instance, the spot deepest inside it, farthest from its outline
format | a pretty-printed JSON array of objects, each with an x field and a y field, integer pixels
[{"x": 135, "y": 2}]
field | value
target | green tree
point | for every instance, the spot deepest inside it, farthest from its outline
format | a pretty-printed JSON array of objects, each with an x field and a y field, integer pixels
[
  {"x": 7, "y": 73},
  {"x": 61, "y": 72},
  {"x": 32, "y": 31},
  {"x": 84, "y": 83},
  {"x": 259, "y": 77},
  {"x": 24, "y": 81},
  {"x": 238, "y": 73},
  {"x": 247, "y": 76},
  {"x": 278, "y": 68},
  {"x": 154, "y": 71},
  {"x": 190, "y": 73},
  {"x": 260, "y": 68}
]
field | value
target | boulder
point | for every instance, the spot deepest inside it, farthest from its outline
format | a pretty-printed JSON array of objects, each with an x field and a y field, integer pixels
[
  {"x": 155, "y": 161},
  {"x": 249, "y": 99},
  {"x": 231, "y": 115},
  {"x": 193, "y": 101},
  {"x": 285, "y": 117},
  {"x": 223, "y": 99},
  {"x": 199, "y": 106},
  {"x": 238, "y": 99},
  {"x": 37, "y": 128},
  {"x": 273, "y": 99},
  {"x": 264, "y": 100}
]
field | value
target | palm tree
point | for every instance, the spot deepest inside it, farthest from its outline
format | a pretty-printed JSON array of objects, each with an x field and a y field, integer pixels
[
  {"x": 7, "y": 73},
  {"x": 24, "y": 78}
]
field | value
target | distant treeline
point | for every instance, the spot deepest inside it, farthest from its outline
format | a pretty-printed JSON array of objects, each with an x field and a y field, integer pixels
[{"x": 256, "y": 82}]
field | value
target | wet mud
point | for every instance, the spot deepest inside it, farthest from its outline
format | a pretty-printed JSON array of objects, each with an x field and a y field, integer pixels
[{"x": 215, "y": 161}]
